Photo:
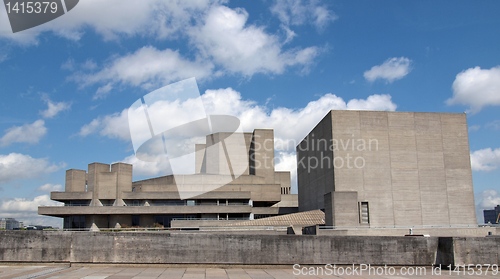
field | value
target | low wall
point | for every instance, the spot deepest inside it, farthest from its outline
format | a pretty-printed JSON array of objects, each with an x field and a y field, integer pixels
[
  {"x": 440, "y": 232},
  {"x": 199, "y": 248}
]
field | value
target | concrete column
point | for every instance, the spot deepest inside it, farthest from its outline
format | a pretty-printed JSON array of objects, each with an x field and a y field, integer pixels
[
  {"x": 123, "y": 181},
  {"x": 94, "y": 170},
  {"x": 262, "y": 154},
  {"x": 75, "y": 180}
]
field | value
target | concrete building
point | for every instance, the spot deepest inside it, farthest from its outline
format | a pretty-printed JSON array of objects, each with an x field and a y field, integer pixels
[
  {"x": 492, "y": 215},
  {"x": 105, "y": 196},
  {"x": 9, "y": 224},
  {"x": 370, "y": 169}
]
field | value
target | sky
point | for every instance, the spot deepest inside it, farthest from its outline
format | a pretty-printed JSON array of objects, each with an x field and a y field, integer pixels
[{"x": 66, "y": 85}]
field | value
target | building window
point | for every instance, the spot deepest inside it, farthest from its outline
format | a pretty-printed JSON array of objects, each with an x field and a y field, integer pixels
[
  {"x": 364, "y": 213},
  {"x": 135, "y": 220},
  {"x": 74, "y": 222}
]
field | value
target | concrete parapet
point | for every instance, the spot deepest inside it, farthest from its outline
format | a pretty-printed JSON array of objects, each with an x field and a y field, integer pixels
[{"x": 244, "y": 249}]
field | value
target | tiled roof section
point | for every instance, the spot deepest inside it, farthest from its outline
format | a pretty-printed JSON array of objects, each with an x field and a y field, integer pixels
[{"x": 308, "y": 218}]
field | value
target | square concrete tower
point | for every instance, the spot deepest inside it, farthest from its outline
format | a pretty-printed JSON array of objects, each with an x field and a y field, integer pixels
[{"x": 386, "y": 169}]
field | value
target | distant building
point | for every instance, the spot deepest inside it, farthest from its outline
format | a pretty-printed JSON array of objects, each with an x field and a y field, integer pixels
[
  {"x": 106, "y": 197},
  {"x": 9, "y": 224},
  {"x": 387, "y": 169},
  {"x": 492, "y": 215}
]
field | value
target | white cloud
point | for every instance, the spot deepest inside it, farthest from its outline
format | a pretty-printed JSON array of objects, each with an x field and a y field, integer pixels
[
  {"x": 28, "y": 133},
  {"x": 493, "y": 125},
  {"x": 114, "y": 18},
  {"x": 20, "y": 166},
  {"x": 485, "y": 159},
  {"x": 474, "y": 128},
  {"x": 159, "y": 166},
  {"x": 220, "y": 41},
  {"x": 290, "y": 125},
  {"x": 26, "y": 210},
  {"x": 225, "y": 37},
  {"x": 22, "y": 204},
  {"x": 392, "y": 69},
  {"x": 298, "y": 12},
  {"x": 476, "y": 88},
  {"x": 103, "y": 91},
  {"x": 148, "y": 67},
  {"x": 487, "y": 199},
  {"x": 112, "y": 126},
  {"x": 50, "y": 188},
  {"x": 54, "y": 108},
  {"x": 287, "y": 161}
]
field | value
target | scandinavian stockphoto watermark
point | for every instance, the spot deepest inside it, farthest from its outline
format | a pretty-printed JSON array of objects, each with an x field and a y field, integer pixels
[
  {"x": 346, "y": 152},
  {"x": 385, "y": 270},
  {"x": 165, "y": 126},
  {"x": 25, "y": 14}
]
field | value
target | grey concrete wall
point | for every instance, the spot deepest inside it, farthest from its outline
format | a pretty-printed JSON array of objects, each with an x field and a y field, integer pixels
[
  {"x": 262, "y": 154},
  {"x": 439, "y": 232},
  {"x": 476, "y": 250},
  {"x": 201, "y": 248},
  {"x": 315, "y": 177},
  {"x": 85, "y": 247}
]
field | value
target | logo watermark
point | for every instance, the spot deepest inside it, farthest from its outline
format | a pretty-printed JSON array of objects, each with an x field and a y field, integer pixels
[
  {"x": 165, "y": 126},
  {"x": 321, "y": 153}
]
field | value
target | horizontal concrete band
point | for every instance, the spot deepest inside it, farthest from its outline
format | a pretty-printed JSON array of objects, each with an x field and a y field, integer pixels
[{"x": 199, "y": 248}]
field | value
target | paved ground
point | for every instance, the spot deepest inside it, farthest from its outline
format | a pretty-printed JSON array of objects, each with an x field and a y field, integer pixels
[{"x": 122, "y": 272}]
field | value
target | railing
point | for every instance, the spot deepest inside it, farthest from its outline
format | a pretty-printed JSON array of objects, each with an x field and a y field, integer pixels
[
  {"x": 366, "y": 226},
  {"x": 212, "y": 219},
  {"x": 167, "y": 204}
]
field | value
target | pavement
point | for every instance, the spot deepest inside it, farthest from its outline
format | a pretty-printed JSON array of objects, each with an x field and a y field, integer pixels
[{"x": 125, "y": 272}]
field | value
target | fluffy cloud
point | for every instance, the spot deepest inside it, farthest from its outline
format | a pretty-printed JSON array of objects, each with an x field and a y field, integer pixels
[
  {"x": 20, "y": 166},
  {"x": 114, "y": 18},
  {"x": 221, "y": 41},
  {"x": 25, "y": 210},
  {"x": 50, "y": 188},
  {"x": 148, "y": 67},
  {"x": 22, "y": 204},
  {"x": 485, "y": 159},
  {"x": 287, "y": 161},
  {"x": 29, "y": 133},
  {"x": 392, "y": 69},
  {"x": 225, "y": 38},
  {"x": 54, "y": 108},
  {"x": 290, "y": 125},
  {"x": 298, "y": 12},
  {"x": 476, "y": 88},
  {"x": 489, "y": 199}
]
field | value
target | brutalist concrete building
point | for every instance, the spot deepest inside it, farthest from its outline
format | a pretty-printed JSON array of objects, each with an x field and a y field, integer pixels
[
  {"x": 105, "y": 196},
  {"x": 387, "y": 169}
]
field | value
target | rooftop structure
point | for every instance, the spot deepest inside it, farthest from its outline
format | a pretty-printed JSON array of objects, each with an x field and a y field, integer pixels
[
  {"x": 105, "y": 196},
  {"x": 492, "y": 215},
  {"x": 370, "y": 169}
]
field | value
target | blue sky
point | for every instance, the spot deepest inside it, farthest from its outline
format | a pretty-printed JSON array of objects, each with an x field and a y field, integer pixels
[{"x": 66, "y": 84}]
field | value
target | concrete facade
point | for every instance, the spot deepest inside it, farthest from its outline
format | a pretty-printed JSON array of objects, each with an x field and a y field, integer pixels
[
  {"x": 231, "y": 182},
  {"x": 388, "y": 169}
]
